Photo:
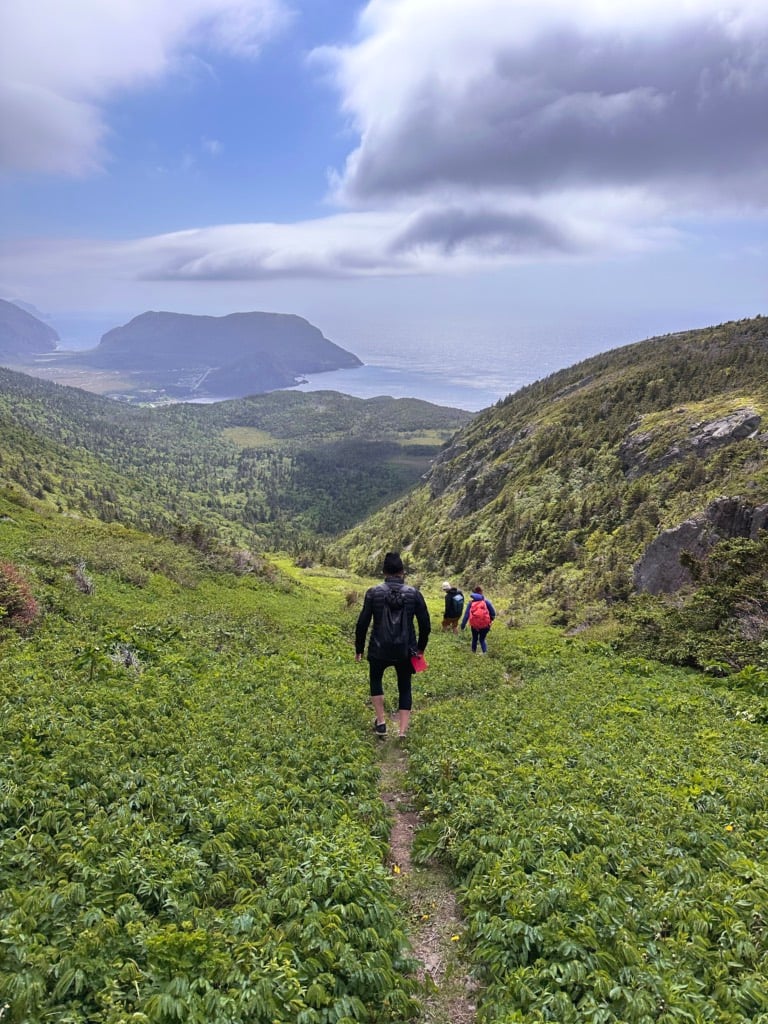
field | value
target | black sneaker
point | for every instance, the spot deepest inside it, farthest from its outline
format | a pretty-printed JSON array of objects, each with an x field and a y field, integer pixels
[{"x": 380, "y": 728}]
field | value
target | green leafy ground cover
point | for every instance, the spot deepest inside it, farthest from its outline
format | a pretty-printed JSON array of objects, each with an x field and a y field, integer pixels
[
  {"x": 191, "y": 828},
  {"x": 196, "y": 835},
  {"x": 607, "y": 820}
]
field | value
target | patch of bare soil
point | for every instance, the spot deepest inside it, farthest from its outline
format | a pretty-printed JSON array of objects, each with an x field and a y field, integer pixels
[{"x": 436, "y": 924}]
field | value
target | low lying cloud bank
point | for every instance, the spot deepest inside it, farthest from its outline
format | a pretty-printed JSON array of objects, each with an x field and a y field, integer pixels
[{"x": 435, "y": 239}]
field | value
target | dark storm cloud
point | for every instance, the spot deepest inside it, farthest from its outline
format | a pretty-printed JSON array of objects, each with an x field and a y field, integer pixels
[{"x": 689, "y": 109}]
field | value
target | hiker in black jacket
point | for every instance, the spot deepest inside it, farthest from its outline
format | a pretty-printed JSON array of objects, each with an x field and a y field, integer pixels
[
  {"x": 454, "y": 606},
  {"x": 392, "y": 605}
]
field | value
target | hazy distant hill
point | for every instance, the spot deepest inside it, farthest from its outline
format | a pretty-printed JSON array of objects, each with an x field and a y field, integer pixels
[
  {"x": 22, "y": 335},
  {"x": 238, "y": 354}
]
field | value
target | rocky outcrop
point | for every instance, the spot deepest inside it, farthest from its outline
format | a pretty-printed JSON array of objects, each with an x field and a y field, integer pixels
[
  {"x": 703, "y": 438},
  {"x": 479, "y": 490},
  {"x": 660, "y": 571},
  {"x": 474, "y": 484},
  {"x": 476, "y": 480},
  {"x": 573, "y": 388},
  {"x": 441, "y": 476},
  {"x": 23, "y": 336}
]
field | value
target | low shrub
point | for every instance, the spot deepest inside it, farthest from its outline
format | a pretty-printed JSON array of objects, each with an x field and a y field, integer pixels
[{"x": 18, "y": 607}]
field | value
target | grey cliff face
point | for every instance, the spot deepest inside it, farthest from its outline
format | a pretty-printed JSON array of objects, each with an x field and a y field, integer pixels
[
  {"x": 636, "y": 455},
  {"x": 659, "y": 570}
]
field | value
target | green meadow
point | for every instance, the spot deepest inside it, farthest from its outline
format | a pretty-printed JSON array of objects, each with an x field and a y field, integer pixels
[{"x": 191, "y": 825}]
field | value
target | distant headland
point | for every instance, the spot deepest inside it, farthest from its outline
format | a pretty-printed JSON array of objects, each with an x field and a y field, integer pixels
[{"x": 164, "y": 356}]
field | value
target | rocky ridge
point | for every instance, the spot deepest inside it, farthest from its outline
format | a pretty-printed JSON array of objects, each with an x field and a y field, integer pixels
[{"x": 704, "y": 438}]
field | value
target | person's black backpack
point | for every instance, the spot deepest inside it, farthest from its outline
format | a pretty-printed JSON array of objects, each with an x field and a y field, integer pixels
[
  {"x": 391, "y": 637},
  {"x": 458, "y": 604}
]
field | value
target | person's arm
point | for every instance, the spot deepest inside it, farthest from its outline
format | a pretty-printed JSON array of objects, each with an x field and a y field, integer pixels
[
  {"x": 491, "y": 609},
  {"x": 423, "y": 620},
  {"x": 363, "y": 622},
  {"x": 466, "y": 613}
]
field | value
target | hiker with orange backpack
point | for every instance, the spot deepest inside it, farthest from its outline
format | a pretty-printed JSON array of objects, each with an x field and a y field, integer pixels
[{"x": 480, "y": 613}]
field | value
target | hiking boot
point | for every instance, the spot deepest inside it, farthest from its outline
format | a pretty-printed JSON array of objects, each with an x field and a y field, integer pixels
[{"x": 380, "y": 728}]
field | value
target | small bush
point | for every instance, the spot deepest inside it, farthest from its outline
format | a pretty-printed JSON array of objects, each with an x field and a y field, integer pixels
[
  {"x": 126, "y": 657},
  {"x": 18, "y": 607},
  {"x": 83, "y": 581}
]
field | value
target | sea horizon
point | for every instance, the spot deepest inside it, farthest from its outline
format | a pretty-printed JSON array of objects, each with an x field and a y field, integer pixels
[
  {"x": 472, "y": 367},
  {"x": 446, "y": 387},
  {"x": 459, "y": 364}
]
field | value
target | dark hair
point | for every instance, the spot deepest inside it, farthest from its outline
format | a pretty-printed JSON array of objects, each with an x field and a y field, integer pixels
[
  {"x": 393, "y": 564},
  {"x": 478, "y": 590}
]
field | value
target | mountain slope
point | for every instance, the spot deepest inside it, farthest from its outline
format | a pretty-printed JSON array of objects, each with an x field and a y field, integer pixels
[
  {"x": 22, "y": 335},
  {"x": 560, "y": 488},
  {"x": 192, "y": 823}
]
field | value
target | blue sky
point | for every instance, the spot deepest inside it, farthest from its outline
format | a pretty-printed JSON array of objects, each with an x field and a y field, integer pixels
[{"x": 381, "y": 166}]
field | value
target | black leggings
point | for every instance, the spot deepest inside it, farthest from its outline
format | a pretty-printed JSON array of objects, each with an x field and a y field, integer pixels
[{"x": 404, "y": 671}]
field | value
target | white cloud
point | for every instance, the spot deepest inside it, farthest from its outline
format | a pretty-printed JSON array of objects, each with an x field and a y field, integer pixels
[
  {"x": 528, "y": 97},
  {"x": 491, "y": 132},
  {"x": 431, "y": 239},
  {"x": 62, "y": 61}
]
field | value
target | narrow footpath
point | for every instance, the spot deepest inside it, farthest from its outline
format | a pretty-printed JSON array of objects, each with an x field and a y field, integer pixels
[{"x": 436, "y": 927}]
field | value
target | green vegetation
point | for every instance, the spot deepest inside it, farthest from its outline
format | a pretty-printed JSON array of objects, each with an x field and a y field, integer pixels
[
  {"x": 191, "y": 829},
  {"x": 557, "y": 490},
  {"x": 720, "y": 627},
  {"x": 606, "y": 819},
  {"x": 281, "y": 470},
  {"x": 180, "y": 840},
  {"x": 191, "y": 825}
]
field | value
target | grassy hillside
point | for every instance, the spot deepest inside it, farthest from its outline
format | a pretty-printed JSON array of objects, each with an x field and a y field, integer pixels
[
  {"x": 279, "y": 469},
  {"x": 191, "y": 828},
  {"x": 558, "y": 490}
]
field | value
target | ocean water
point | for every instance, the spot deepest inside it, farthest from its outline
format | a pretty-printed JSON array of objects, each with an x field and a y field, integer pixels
[
  {"x": 440, "y": 387},
  {"x": 473, "y": 364},
  {"x": 469, "y": 370},
  {"x": 469, "y": 364}
]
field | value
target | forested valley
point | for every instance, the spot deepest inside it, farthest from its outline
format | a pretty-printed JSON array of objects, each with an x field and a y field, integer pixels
[{"x": 281, "y": 470}]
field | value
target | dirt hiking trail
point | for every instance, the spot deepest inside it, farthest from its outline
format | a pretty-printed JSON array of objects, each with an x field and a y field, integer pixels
[{"x": 436, "y": 928}]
